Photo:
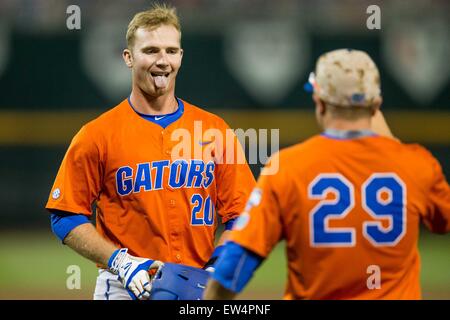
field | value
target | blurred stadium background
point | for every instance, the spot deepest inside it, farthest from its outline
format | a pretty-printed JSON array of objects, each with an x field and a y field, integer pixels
[{"x": 246, "y": 60}]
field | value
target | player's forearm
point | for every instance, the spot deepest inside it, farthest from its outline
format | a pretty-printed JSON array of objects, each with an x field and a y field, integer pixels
[
  {"x": 215, "y": 291},
  {"x": 85, "y": 240}
]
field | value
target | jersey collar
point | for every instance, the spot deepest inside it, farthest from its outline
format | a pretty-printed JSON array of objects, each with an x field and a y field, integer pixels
[
  {"x": 347, "y": 134},
  {"x": 162, "y": 120}
]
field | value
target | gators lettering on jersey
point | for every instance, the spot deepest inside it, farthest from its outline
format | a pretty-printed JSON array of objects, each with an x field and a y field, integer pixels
[
  {"x": 159, "y": 206},
  {"x": 348, "y": 209},
  {"x": 149, "y": 176}
]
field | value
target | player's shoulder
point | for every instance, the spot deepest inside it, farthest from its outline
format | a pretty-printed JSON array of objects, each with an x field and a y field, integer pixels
[
  {"x": 411, "y": 157},
  {"x": 107, "y": 120},
  {"x": 95, "y": 130},
  {"x": 315, "y": 142},
  {"x": 417, "y": 149},
  {"x": 296, "y": 154},
  {"x": 201, "y": 114},
  {"x": 420, "y": 154},
  {"x": 109, "y": 115}
]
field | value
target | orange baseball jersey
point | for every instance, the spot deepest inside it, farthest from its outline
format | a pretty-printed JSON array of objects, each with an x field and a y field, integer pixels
[
  {"x": 349, "y": 211},
  {"x": 157, "y": 191}
]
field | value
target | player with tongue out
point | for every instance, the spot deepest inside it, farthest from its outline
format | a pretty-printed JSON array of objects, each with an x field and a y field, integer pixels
[
  {"x": 160, "y": 81},
  {"x": 152, "y": 207},
  {"x": 154, "y": 56}
]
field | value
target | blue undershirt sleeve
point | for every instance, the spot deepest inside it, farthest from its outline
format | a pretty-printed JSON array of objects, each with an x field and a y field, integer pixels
[
  {"x": 62, "y": 223},
  {"x": 235, "y": 266},
  {"x": 229, "y": 224}
]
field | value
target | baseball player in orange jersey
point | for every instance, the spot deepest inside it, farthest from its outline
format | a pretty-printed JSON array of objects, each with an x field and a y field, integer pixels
[
  {"x": 347, "y": 202},
  {"x": 153, "y": 205}
]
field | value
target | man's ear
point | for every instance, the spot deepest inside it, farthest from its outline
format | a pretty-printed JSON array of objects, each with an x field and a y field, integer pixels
[
  {"x": 376, "y": 105},
  {"x": 127, "y": 57},
  {"x": 320, "y": 105}
]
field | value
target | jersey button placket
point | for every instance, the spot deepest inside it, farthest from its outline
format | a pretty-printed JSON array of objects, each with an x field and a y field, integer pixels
[
  {"x": 173, "y": 215},
  {"x": 166, "y": 142}
]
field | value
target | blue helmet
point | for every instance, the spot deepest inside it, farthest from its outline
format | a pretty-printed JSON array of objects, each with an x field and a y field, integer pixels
[{"x": 178, "y": 282}]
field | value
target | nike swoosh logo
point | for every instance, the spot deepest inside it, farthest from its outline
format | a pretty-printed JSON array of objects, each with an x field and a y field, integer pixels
[
  {"x": 159, "y": 118},
  {"x": 204, "y": 143}
]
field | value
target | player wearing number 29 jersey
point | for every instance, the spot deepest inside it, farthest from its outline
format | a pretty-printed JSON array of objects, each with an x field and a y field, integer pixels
[
  {"x": 348, "y": 202},
  {"x": 349, "y": 210}
]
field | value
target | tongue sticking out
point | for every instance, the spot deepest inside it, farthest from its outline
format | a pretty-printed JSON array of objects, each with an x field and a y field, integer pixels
[{"x": 160, "y": 81}]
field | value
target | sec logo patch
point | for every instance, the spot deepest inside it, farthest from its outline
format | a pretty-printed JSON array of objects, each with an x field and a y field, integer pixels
[
  {"x": 254, "y": 200},
  {"x": 242, "y": 221},
  {"x": 56, "y": 193}
]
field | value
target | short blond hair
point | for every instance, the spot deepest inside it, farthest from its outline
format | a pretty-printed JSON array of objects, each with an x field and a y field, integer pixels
[{"x": 157, "y": 15}]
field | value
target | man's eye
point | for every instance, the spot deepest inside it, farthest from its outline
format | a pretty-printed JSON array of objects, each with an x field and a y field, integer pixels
[{"x": 172, "y": 51}]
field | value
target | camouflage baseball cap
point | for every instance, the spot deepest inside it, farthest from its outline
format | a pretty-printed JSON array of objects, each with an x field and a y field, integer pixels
[{"x": 346, "y": 78}]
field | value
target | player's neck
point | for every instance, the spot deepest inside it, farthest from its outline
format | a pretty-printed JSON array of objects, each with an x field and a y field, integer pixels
[
  {"x": 146, "y": 104},
  {"x": 346, "y": 125}
]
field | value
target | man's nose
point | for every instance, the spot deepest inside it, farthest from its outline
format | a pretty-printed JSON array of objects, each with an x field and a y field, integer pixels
[{"x": 162, "y": 59}]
